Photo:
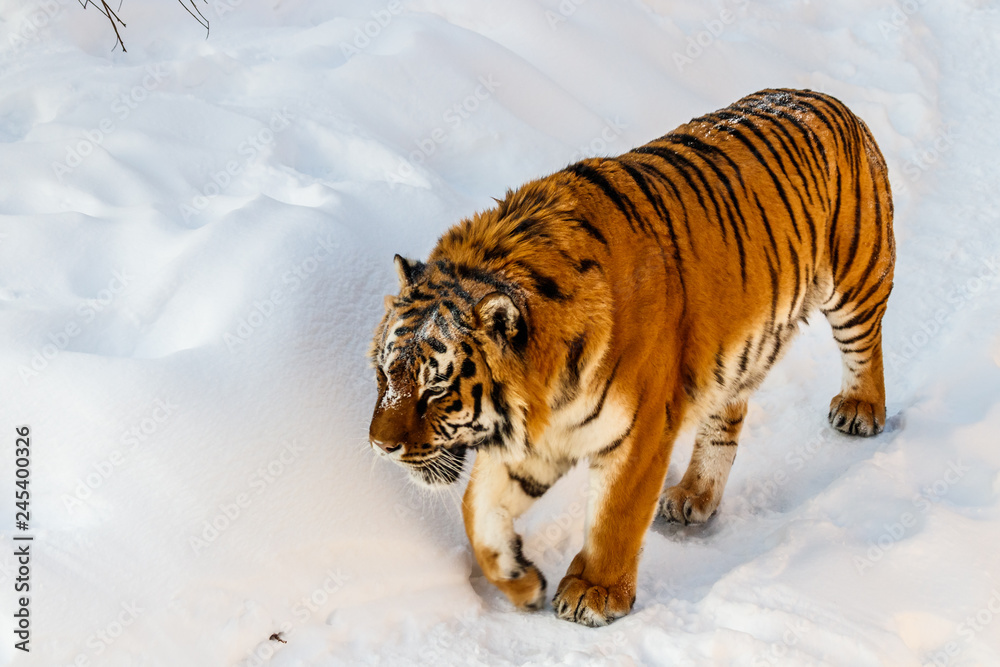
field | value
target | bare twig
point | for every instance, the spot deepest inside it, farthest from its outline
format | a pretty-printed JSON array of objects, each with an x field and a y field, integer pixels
[
  {"x": 109, "y": 13},
  {"x": 111, "y": 16},
  {"x": 102, "y": 6},
  {"x": 196, "y": 13}
]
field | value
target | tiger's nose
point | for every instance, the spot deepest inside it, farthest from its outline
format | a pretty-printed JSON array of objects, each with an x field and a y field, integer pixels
[{"x": 387, "y": 447}]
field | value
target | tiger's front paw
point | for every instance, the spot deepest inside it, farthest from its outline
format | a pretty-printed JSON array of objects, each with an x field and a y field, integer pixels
[
  {"x": 856, "y": 417},
  {"x": 686, "y": 506},
  {"x": 527, "y": 589},
  {"x": 580, "y": 601}
]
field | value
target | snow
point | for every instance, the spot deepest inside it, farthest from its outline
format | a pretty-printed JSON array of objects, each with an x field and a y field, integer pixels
[{"x": 196, "y": 237}]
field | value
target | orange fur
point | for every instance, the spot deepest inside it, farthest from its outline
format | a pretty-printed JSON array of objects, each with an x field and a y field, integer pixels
[{"x": 608, "y": 305}]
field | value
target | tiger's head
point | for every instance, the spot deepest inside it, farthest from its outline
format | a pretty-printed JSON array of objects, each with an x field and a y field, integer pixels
[{"x": 439, "y": 355}]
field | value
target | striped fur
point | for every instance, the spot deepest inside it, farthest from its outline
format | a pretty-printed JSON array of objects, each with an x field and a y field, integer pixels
[{"x": 594, "y": 313}]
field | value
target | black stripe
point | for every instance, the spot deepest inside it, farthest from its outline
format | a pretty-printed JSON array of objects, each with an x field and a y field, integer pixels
[
  {"x": 477, "y": 400},
  {"x": 667, "y": 219},
  {"x": 574, "y": 357},
  {"x": 501, "y": 408},
  {"x": 767, "y": 228},
  {"x": 548, "y": 287},
  {"x": 858, "y": 318},
  {"x": 570, "y": 385},
  {"x": 808, "y": 138},
  {"x": 794, "y": 158},
  {"x": 592, "y": 175},
  {"x": 662, "y": 212},
  {"x": 767, "y": 167},
  {"x": 874, "y": 248},
  {"x": 835, "y": 128},
  {"x": 729, "y": 423},
  {"x": 670, "y": 157},
  {"x": 700, "y": 146},
  {"x": 588, "y": 227},
  {"x": 422, "y": 404},
  {"x": 531, "y": 487},
  {"x": 873, "y": 329},
  {"x": 620, "y": 439},
  {"x": 745, "y": 357},
  {"x": 777, "y": 347},
  {"x": 741, "y": 119},
  {"x": 859, "y": 350},
  {"x": 416, "y": 313},
  {"x": 487, "y": 278},
  {"x": 455, "y": 311},
  {"x": 720, "y": 367},
  {"x": 684, "y": 166},
  {"x": 640, "y": 180},
  {"x": 798, "y": 281},
  {"x": 604, "y": 395},
  {"x": 690, "y": 383},
  {"x": 516, "y": 548},
  {"x": 529, "y": 227},
  {"x": 703, "y": 150},
  {"x": 663, "y": 179}
]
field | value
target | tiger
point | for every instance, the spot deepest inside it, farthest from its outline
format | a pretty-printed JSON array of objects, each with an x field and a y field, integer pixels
[{"x": 593, "y": 314}]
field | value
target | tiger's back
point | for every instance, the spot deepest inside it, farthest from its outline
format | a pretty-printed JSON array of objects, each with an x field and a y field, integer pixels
[
  {"x": 605, "y": 307},
  {"x": 767, "y": 209}
]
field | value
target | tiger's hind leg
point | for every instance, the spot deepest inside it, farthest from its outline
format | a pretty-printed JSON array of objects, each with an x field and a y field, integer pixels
[
  {"x": 699, "y": 492},
  {"x": 859, "y": 408},
  {"x": 862, "y": 258}
]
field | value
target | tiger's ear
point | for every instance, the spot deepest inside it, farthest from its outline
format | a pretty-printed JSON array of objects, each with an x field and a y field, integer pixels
[
  {"x": 497, "y": 315},
  {"x": 408, "y": 269}
]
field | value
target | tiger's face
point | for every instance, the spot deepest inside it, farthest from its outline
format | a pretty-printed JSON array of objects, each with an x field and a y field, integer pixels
[{"x": 436, "y": 397}]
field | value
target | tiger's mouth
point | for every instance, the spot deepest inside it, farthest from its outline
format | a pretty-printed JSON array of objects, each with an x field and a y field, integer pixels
[{"x": 439, "y": 470}]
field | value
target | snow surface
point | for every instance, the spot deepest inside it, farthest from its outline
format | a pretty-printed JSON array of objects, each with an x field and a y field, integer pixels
[{"x": 195, "y": 239}]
